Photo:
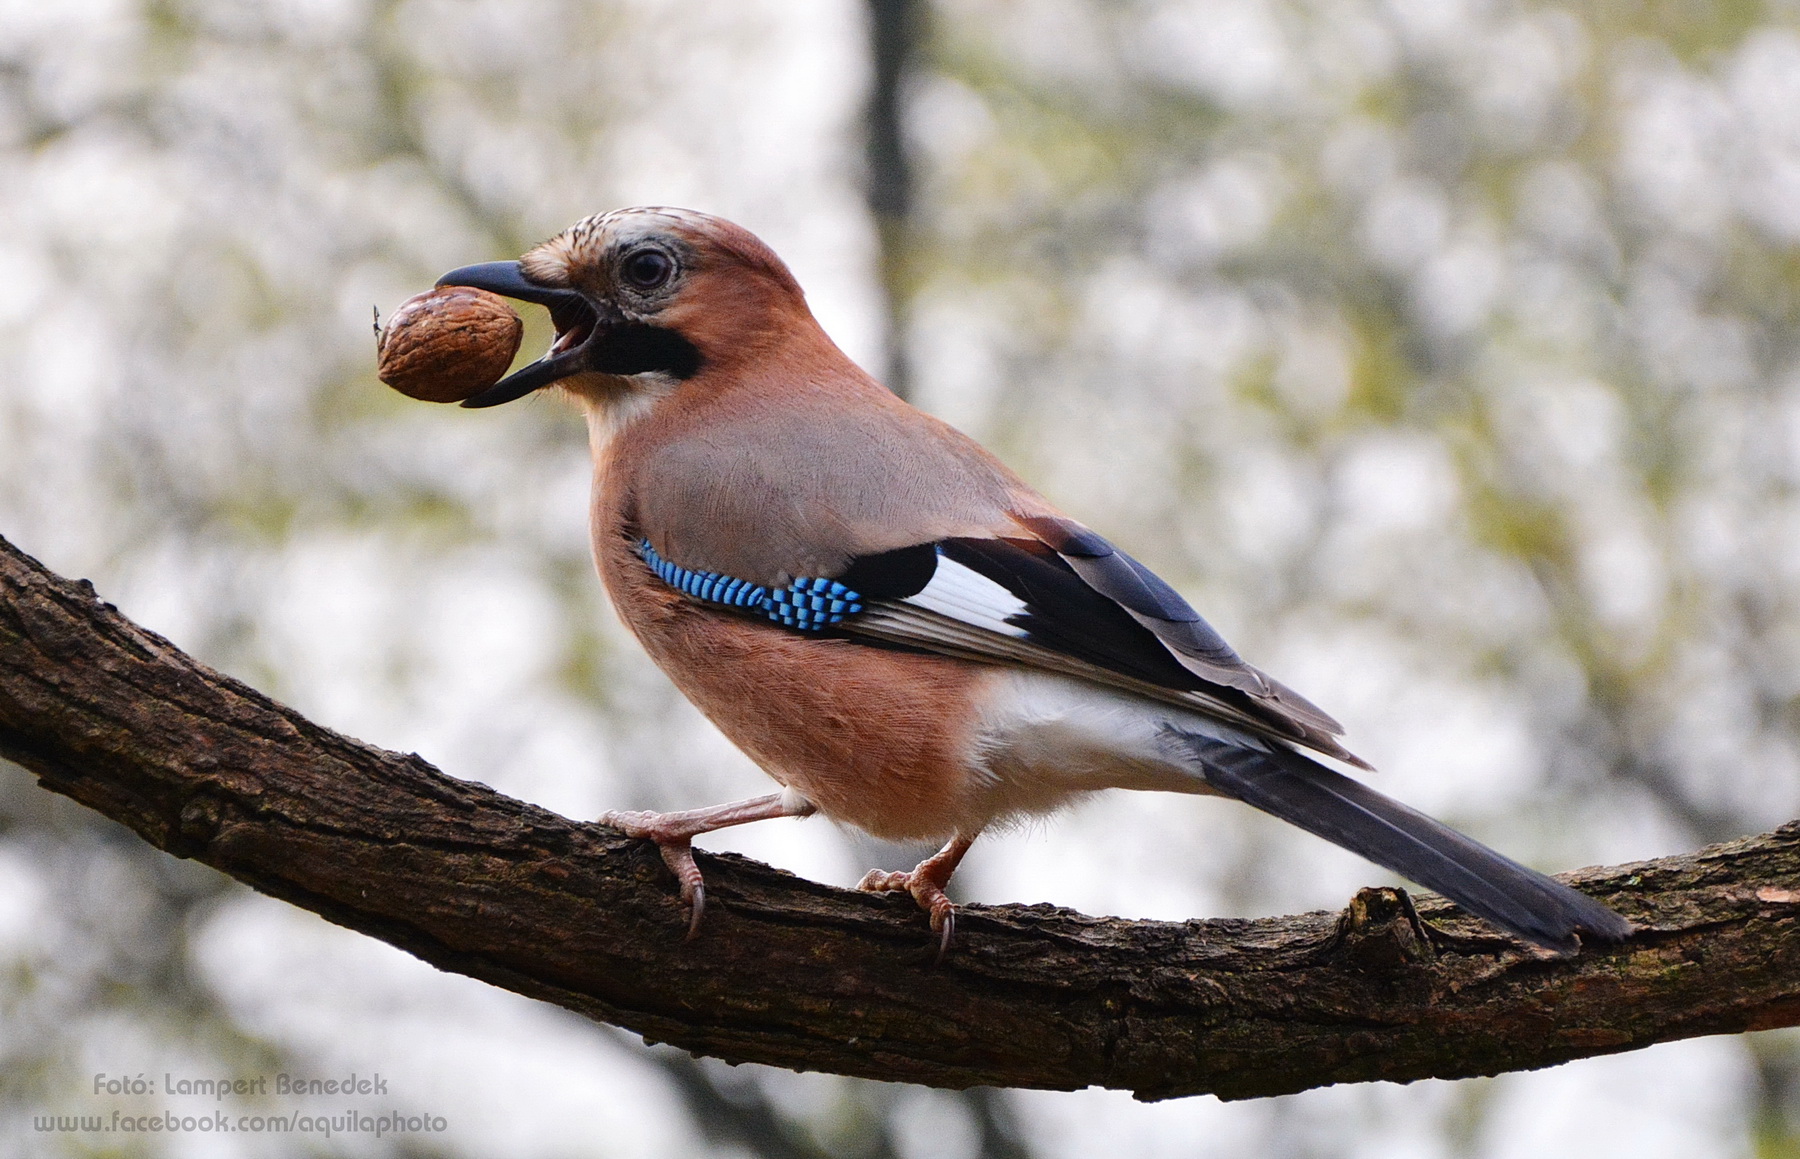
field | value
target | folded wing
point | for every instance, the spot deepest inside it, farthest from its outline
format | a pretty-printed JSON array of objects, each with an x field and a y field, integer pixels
[{"x": 1086, "y": 610}]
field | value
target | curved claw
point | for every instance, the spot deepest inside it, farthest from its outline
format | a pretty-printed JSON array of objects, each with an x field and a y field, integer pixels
[
  {"x": 696, "y": 907},
  {"x": 674, "y": 832},
  {"x": 945, "y": 934},
  {"x": 677, "y": 853},
  {"x": 679, "y": 857},
  {"x": 927, "y": 892},
  {"x": 926, "y": 882}
]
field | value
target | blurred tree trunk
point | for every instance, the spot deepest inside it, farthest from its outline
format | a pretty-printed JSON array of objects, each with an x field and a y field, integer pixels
[
  {"x": 800, "y": 975},
  {"x": 896, "y": 31}
]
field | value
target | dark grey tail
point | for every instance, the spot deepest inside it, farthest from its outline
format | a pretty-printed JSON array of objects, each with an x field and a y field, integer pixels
[{"x": 1303, "y": 792}]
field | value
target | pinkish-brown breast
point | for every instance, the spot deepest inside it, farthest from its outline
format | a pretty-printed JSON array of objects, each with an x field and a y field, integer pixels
[{"x": 878, "y": 739}]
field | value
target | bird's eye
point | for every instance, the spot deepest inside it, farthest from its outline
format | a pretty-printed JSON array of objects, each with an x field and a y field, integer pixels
[{"x": 648, "y": 269}]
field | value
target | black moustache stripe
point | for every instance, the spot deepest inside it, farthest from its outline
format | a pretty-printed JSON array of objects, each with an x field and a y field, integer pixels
[{"x": 638, "y": 349}]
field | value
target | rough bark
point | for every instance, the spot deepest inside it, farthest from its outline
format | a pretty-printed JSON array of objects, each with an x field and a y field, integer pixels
[{"x": 801, "y": 975}]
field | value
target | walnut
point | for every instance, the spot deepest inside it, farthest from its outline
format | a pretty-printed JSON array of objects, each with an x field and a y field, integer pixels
[{"x": 448, "y": 344}]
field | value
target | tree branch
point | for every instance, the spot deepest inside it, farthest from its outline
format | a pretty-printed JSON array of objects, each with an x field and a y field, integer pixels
[{"x": 801, "y": 975}]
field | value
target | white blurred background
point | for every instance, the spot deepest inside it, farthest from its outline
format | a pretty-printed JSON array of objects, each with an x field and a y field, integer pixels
[{"x": 1442, "y": 351}]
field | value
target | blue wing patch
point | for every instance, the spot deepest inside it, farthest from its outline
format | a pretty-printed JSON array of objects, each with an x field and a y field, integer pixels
[{"x": 809, "y": 604}]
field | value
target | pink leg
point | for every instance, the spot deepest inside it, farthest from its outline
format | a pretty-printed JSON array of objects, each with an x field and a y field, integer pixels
[
  {"x": 926, "y": 882},
  {"x": 674, "y": 834}
]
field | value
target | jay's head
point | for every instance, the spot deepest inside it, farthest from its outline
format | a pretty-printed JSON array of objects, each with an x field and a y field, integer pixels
[{"x": 647, "y": 291}]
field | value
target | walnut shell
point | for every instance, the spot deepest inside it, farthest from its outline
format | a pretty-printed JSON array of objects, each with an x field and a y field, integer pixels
[{"x": 448, "y": 344}]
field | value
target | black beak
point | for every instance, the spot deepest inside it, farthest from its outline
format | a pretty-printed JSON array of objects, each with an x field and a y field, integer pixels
[{"x": 576, "y": 324}]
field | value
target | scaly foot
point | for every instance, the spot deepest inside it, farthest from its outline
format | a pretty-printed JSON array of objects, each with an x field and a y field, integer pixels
[
  {"x": 677, "y": 849},
  {"x": 926, "y": 882},
  {"x": 674, "y": 835}
]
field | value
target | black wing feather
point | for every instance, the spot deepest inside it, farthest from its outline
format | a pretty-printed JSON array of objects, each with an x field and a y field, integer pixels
[
  {"x": 892, "y": 575},
  {"x": 1135, "y": 626},
  {"x": 1066, "y": 614}
]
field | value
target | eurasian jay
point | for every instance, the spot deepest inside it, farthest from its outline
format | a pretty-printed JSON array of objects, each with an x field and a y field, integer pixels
[{"x": 891, "y": 623}]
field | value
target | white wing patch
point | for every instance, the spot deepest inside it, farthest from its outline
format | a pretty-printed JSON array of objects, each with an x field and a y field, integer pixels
[{"x": 961, "y": 593}]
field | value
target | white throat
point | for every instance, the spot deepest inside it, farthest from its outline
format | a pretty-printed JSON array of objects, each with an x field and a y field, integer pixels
[{"x": 614, "y": 403}]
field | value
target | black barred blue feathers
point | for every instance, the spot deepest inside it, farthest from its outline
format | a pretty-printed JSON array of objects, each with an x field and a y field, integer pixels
[
  {"x": 812, "y": 603},
  {"x": 705, "y": 585},
  {"x": 807, "y": 604}
]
